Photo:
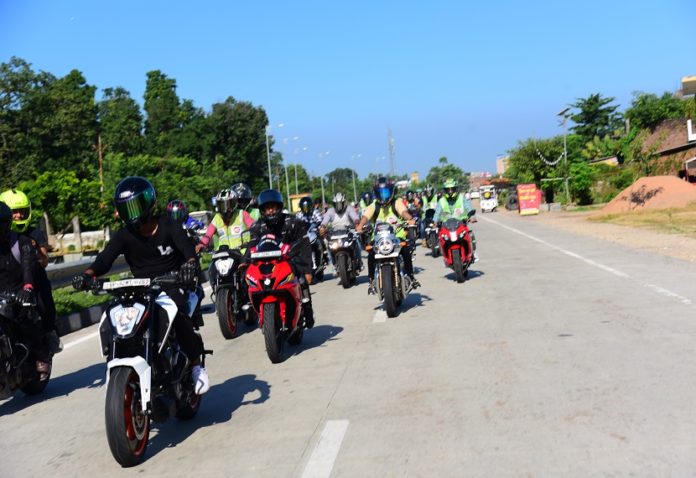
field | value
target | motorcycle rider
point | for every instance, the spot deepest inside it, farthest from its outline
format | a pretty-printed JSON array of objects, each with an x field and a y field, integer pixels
[
  {"x": 229, "y": 223},
  {"x": 153, "y": 246},
  {"x": 245, "y": 199},
  {"x": 288, "y": 229},
  {"x": 454, "y": 204},
  {"x": 21, "y": 217},
  {"x": 340, "y": 216},
  {"x": 177, "y": 212},
  {"x": 429, "y": 202},
  {"x": 18, "y": 264},
  {"x": 365, "y": 200},
  {"x": 387, "y": 209},
  {"x": 309, "y": 214}
]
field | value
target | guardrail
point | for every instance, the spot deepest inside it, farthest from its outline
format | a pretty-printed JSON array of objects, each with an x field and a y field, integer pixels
[{"x": 61, "y": 275}]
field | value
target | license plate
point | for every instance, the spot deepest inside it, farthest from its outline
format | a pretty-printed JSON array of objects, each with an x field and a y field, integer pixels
[{"x": 119, "y": 284}]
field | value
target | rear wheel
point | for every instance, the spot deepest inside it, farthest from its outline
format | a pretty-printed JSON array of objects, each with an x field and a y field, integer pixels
[
  {"x": 127, "y": 425},
  {"x": 224, "y": 306},
  {"x": 272, "y": 332},
  {"x": 434, "y": 245},
  {"x": 343, "y": 273},
  {"x": 457, "y": 265},
  {"x": 388, "y": 290}
]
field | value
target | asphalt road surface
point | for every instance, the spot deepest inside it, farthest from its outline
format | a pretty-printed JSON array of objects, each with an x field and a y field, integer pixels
[{"x": 561, "y": 355}]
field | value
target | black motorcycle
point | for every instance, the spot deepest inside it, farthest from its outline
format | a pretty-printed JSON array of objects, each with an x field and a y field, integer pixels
[
  {"x": 319, "y": 254},
  {"x": 345, "y": 255},
  {"x": 149, "y": 377},
  {"x": 19, "y": 341},
  {"x": 230, "y": 291}
]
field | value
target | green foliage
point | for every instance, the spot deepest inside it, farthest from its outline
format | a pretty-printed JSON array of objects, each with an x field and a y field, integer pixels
[
  {"x": 68, "y": 300},
  {"x": 120, "y": 122},
  {"x": 580, "y": 183},
  {"x": 162, "y": 110},
  {"x": 647, "y": 110},
  {"x": 444, "y": 171},
  {"x": 596, "y": 117}
]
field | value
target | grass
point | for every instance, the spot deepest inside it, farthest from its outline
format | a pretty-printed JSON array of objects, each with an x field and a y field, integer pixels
[
  {"x": 673, "y": 221},
  {"x": 69, "y": 300}
]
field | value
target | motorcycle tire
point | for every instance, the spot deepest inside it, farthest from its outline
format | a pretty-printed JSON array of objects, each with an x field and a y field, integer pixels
[
  {"x": 435, "y": 249},
  {"x": 458, "y": 265},
  {"x": 36, "y": 385},
  {"x": 343, "y": 272},
  {"x": 224, "y": 307},
  {"x": 272, "y": 332},
  {"x": 127, "y": 426},
  {"x": 295, "y": 338},
  {"x": 187, "y": 408},
  {"x": 389, "y": 291}
]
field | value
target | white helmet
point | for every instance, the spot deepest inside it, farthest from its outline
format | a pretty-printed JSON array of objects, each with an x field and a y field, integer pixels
[{"x": 339, "y": 202}]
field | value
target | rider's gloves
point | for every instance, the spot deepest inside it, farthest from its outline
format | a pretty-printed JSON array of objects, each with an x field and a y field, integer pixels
[
  {"x": 82, "y": 281},
  {"x": 26, "y": 295},
  {"x": 188, "y": 272}
]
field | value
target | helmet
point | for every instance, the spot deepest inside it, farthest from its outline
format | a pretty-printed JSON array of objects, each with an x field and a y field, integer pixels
[
  {"x": 18, "y": 202},
  {"x": 269, "y": 197},
  {"x": 384, "y": 191},
  {"x": 450, "y": 188},
  {"x": 176, "y": 210},
  {"x": 367, "y": 197},
  {"x": 244, "y": 194},
  {"x": 306, "y": 205},
  {"x": 226, "y": 201},
  {"x": 339, "y": 202},
  {"x": 5, "y": 218},
  {"x": 135, "y": 200},
  {"x": 409, "y": 195},
  {"x": 429, "y": 190}
]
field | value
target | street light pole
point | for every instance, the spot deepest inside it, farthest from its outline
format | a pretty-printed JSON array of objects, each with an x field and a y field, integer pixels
[
  {"x": 268, "y": 157},
  {"x": 563, "y": 114},
  {"x": 296, "y": 189},
  {"x": 287, "y": 182}
]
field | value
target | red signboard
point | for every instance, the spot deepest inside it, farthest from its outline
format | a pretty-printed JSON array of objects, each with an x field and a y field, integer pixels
[{"x": 528, "y": 199}]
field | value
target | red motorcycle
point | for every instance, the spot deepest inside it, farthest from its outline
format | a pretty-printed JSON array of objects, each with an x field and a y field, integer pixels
[
  {"x": 456, "y": 246},
  {"x": 275, "y": 293}
]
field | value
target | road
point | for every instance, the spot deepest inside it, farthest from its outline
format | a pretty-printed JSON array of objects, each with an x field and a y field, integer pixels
[{"x": 562, "y": 355}]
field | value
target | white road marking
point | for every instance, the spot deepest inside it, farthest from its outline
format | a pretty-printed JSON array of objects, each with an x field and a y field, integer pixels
[
  {"x": 80, "y": 340},
  {"x": 380, "y": 317},
  {"x": 324, "y": 455},
  {"x": 623, "y": 275}
]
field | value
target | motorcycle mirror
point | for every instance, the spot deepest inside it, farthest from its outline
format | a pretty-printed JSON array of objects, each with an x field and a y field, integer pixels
[{"x": 472, "y": 212}]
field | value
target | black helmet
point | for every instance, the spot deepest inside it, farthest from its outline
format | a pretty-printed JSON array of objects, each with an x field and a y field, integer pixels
[
  {"x": 367, "y": 197},
  {"x": 134, "y": 200},
  {"x": 306, "y": 205},
  {"x": 266, "y": 198},
  {"x": 429, "y": 190},
  {"x": 384, "y": 191},
  {"x": 5, "y": 218},
  {"x": 410, "y": 195},
  {"x": 244, "y": 194},
  {"x": 176, "y": 210}
]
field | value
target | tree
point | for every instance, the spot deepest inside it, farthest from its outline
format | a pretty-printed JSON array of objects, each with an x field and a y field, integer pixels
[
  {"x": 194, "y": 138},
  {"x": 439, "y": 174},
  {"x": 596, "y": 117},
  {"x": 647, "y": 110},
  {"x": 162, "y": 109},
  {"x": 120, "y": 122}
]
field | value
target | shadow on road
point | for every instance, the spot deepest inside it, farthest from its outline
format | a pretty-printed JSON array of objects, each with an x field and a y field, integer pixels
[
  {"x": 218, "y": 406},
  {"x": 473, "y": 274},
  {"x": 414, "y": 299},
  {"x": 90, "y": 377},
  {"x": 316, "y": 337}
]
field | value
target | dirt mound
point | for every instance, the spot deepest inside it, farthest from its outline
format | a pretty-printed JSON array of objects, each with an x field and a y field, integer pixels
[{"x": 654, "y": 192}]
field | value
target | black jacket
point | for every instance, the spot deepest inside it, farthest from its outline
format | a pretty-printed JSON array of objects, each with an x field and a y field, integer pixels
[
  {"x": 15, "y": 273},
  {"x": 290, "y": 230}
]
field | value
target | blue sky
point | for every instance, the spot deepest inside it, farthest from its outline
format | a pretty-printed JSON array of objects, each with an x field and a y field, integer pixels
[{"x": 449, "y": 78}]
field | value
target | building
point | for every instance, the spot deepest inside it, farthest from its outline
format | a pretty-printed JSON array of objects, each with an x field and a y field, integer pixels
[
  {"x": 501, "y": 164},
  {"x": 674, "y": 143}
]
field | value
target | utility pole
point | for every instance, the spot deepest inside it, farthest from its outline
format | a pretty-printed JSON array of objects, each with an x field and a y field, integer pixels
[
  {"x": 268, "y": 158},
  {"x": 287, "y": 183},
  {"x": 100, "y": 155},
  {"x": 564, "y": 115},
  {"x": 323, "y": 198},
  {"x": 392, "y": 148},
  {"x": 296, "y": 189}
]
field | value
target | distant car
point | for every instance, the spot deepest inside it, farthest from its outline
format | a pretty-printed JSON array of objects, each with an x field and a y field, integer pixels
[{"x": 474, "y": 195}]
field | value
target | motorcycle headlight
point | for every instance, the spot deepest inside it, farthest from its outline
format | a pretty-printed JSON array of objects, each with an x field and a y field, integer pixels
[
  {"x": 335, "y": 244},
  {"x": 223, "y": 266},
  {"x": 252, "y": 282},
  {"x": 124, "y": 319},
  {"x": 462, "y": 234},
  {"x": 453, "y": 236},
  {"x": 385, "y": 246}
]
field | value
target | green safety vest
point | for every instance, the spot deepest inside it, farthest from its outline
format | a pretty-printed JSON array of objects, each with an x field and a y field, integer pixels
[
  {"x": 457, "y": 210},
  {"x": 390, "y": 216},
  {"x": 255, "y": 213},
  {"x": 230, "y": 235},
  {"x": 432, "y": 204}
]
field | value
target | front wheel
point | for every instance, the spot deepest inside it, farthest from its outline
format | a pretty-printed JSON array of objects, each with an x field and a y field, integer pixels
[
  {"x": 435, "y": 245},
  {"x": 224, "y": 306},
  {"x": 127, "y": 425},
  {"x": 36, "y": 385},
  {"x": 272, "y": 332},
  {"x": 388, "y": 290},
  {"x": 343, "y": 273},
  {"x": 457, "y": 265}
]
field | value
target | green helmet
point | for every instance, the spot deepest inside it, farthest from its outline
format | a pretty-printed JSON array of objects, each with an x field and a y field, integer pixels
[
  {"x": 19, "y": 203},
  {"x": 451, "y": 189}
]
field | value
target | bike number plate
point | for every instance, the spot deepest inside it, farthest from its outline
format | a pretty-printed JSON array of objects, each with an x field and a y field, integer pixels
[{"x": 126, "y": 283}]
